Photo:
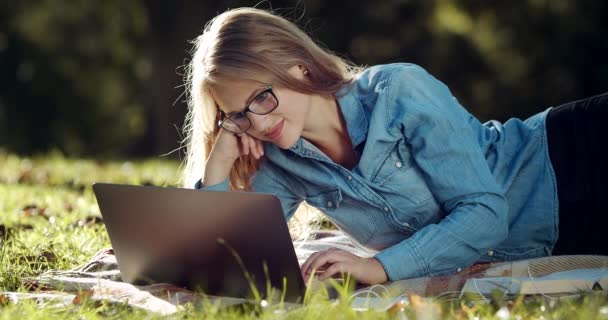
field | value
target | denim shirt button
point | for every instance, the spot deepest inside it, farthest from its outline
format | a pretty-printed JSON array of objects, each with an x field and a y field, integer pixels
[
  {"x": 459, "y": 269},
  {"x": 330, "y": 204},
  {"x": 350, "y": 178},
  {"x": 491, "y": 253},
  {"x": 398, "y": 164},
  {"x": 386, "y": 209}
]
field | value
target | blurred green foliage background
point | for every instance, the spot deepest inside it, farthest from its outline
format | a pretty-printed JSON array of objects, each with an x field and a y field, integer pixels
[{"x": 103, "y": 78}]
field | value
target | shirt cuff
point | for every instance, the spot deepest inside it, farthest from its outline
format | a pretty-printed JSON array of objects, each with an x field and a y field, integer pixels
[
  {"x": 403, "y": 261},
  {"x": 221, "y": 186}
]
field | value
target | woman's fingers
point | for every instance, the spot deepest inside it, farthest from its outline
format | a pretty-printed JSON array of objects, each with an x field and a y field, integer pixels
[
  {"x": 338, "y": 267},
  {"x": 326, "y": 257},
  {"x": 245, "y": 141},
  {"x": 251, "y": 145},
  {"x": 306, "y": 267},
  {"x": 242, "y": 145},
  {"x": 260, "y": 145},
  {"x": 255, "y": 147},
  {"x": 307, "y": 263},
  {"x": 319, "y": 259},
  {"x": 336, "y": 261}
]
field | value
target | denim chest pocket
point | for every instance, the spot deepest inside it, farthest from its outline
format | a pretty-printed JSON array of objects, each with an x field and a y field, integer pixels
[
  {"x": 347, "y": 214},
  {"x": 398, "y": 172},
  {"x": 325, "y": 200}
]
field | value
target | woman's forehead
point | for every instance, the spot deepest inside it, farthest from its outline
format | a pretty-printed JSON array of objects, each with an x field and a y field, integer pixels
[{"x": 234, "y": 95}]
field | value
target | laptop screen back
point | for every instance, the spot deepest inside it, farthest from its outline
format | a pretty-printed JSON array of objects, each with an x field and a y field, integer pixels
[{"x": 220, "y": 243}]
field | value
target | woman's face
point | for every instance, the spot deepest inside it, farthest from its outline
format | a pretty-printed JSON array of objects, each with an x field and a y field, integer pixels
[{"x": 283, "y": 126}]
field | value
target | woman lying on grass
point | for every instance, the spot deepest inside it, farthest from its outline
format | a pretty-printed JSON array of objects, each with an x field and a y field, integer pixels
[{"x": 389, "y": 155}]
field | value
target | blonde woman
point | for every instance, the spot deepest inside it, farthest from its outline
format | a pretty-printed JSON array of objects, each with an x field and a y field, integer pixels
[{"x": 386, "y": 152}]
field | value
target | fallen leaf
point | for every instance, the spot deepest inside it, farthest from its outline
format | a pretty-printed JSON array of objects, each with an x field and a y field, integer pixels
[
  {"x": 32, "y": 210},
  {"x": 82, "y": 296},
  {"x": 4, "y": 300}
]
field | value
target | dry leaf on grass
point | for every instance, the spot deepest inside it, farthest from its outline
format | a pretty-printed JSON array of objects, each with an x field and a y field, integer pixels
[
  {"x": 82, "y": 296},
  {"x": 4, "y": 300},
  {"x": 32, "y": 210}
]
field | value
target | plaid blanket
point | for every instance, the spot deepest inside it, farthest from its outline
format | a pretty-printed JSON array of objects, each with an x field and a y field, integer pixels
[{"x": 99, "y": 279}]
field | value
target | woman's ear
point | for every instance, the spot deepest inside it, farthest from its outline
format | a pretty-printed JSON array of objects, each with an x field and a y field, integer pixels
[
  {"x": 299, "y": 72},
  {"x": 304, "y": 70}
]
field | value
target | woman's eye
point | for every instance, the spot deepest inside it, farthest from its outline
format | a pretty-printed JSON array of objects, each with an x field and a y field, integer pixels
[
  {"x": 238, "y": 116},
  {"x": 261, "y": 97}
]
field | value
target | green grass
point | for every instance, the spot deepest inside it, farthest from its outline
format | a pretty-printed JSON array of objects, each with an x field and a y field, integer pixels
[{"x": 49, "y": 220}]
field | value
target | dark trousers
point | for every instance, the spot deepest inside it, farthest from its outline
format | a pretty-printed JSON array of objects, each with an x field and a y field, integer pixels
[{"x": 577, "y": 134}]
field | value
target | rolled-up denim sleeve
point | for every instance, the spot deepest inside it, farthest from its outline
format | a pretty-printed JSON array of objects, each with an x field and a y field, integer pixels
[
  {"x": 221, "y": 186},
  {"x": 445, "y": 148}
]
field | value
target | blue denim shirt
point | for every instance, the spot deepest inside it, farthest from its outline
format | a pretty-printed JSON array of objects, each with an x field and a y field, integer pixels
[{"x": 435, "y": 190}]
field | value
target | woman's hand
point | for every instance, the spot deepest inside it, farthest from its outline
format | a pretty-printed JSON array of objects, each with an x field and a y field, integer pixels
[
  {"x": 230, "y": 146},
  {"x": 227, "y": 148},
  {"x": 250, "y": 145},
  {"x": 335, "y": 261}
]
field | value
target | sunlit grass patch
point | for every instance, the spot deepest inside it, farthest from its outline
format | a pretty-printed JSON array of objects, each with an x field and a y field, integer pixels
[{"x": 49, "y": 220}]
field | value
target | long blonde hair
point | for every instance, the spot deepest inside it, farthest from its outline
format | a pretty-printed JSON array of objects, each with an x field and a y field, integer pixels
[{"x": 249, "y": 44}]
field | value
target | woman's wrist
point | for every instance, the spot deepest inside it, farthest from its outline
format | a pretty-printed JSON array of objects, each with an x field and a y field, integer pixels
[{"x": 217, "y": 169}]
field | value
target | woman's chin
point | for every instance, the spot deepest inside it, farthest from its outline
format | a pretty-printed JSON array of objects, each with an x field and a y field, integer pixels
[
  {"x": 285, "y": 142},
  {"x": 282, "y": 145}
]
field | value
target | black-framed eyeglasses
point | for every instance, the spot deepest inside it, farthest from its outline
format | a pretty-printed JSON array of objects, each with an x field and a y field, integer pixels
[{"x": 263, "y": 103}]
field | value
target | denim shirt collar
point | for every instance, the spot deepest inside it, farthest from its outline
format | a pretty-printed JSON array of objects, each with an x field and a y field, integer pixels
[
  {"x": 354, "y": 116},
  {"x": 353, "y": 113}
]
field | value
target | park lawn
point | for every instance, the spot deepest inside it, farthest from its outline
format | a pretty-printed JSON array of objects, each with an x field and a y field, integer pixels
[{"x": 49, "y": 220}]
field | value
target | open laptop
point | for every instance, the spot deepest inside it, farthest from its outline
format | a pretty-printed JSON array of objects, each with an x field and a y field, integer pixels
[{"x": 201, "y": 240}]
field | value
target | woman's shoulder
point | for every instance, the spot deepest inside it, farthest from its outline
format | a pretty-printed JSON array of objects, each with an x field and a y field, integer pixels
[
  {"x": 396, "y": 77},
  {"x": 406, "y": 88},
  {"x": 389, "y": 70}
]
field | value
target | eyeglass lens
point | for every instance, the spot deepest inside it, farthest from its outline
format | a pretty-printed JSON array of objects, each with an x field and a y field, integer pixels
[{"x": 262, "y": 104}]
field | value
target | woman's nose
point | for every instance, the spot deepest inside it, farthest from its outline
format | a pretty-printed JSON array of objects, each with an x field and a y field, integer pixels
[{"x": 259, "y": 123}]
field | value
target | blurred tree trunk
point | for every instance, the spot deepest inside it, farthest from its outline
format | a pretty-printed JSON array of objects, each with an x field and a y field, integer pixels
[{"x": 171, "y": 26}]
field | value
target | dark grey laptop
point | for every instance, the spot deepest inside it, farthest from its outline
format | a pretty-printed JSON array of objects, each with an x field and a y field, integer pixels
[{"x": 201, "y": 240}]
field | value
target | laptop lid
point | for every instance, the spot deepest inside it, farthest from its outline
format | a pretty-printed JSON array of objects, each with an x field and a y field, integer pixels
[{"x": 201, "y": 240}]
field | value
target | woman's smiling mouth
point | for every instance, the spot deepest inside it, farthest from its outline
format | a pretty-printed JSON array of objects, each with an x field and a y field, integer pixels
[{"x": 276, "y": 131}]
